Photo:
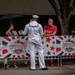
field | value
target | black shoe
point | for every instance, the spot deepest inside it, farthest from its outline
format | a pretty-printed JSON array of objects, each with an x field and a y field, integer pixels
[
  {"x": 5, "y": 67},
  {"x": 44, "y": 68},
  {"x": 32, "y": 69}
]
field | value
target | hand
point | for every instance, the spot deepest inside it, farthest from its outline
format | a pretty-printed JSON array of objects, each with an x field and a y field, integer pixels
[
  {"x": 11, "y": 27},
  {"x": 20, "y": 32},
  {"x": 73, "y": 32}
]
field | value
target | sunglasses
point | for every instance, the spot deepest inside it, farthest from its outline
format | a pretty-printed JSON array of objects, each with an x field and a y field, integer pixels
[{"x": 50, "y": 21}]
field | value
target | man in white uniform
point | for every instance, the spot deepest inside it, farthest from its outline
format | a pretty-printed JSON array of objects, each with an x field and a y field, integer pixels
[{"x": 34, "y": 31}]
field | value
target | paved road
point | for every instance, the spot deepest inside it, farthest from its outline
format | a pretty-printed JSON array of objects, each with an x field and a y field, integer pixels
[{"x": 65, "y": 70}]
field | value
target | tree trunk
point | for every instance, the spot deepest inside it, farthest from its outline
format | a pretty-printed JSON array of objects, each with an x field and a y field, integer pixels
[
  {"x": 63, "y": 9},
  {"x": 64, "y": 24},
  {"x": 65, "y": 27}
]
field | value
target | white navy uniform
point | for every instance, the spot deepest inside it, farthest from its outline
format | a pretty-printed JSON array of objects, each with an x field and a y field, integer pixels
[{"x": 34, "y": 32}]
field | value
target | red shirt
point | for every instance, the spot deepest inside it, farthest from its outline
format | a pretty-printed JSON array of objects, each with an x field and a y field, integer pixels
[{"x": 50, "y": 29}]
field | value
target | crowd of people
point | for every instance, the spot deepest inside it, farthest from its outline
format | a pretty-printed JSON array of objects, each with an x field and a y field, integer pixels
[{"x": 35, "y": 32}]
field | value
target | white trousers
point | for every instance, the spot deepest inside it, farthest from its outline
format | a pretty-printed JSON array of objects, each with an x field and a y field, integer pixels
[{"x": 32, "y": 48}]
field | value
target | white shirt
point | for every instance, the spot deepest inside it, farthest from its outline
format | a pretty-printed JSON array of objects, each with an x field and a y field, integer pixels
[{"x": 33, "y": 30}]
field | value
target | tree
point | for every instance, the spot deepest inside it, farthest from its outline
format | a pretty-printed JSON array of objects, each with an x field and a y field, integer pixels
[{"x": 63, "y": 10}]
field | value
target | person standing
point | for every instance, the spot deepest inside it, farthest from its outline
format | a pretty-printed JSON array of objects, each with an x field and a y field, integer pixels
[
  {"x": 50, "y": 30},
  {"x": 34, "y": 31},
  {"x": 11, "y": 32}
]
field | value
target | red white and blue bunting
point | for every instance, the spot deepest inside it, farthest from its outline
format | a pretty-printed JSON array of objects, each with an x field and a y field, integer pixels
[{"x": 17, "y": 47}]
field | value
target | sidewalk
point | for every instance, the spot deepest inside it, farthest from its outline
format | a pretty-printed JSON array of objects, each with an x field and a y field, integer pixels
[{"x": 65, "y": 70}]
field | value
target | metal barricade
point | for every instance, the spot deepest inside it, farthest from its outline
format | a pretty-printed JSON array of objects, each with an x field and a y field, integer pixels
[{"x": 65, "y": 57}]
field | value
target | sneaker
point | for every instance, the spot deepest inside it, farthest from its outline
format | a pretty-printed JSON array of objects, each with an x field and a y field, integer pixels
[
  {"x": 52, "y": 65},
  {"x": 25, "y": 62},
  {"x": 7, "y": 66},
  {"x": 44, "y": 68},
  {"x": 15, "y": 66}
]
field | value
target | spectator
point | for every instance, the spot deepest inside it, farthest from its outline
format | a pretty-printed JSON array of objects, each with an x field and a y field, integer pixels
[
  {"x": 11, "y": 32},
  {"x": 50, "y": 30}
]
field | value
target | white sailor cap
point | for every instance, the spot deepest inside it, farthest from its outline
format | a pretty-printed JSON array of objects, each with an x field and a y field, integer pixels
[{"x": 35, "y": 16}]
